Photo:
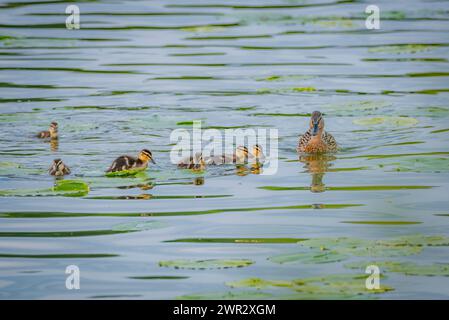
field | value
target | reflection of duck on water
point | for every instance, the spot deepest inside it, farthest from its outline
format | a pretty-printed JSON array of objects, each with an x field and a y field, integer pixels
[{"x": 317, "y": 165}]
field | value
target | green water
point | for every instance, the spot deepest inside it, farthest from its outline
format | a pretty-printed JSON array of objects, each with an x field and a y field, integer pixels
[{"x": 137, "y": 70}]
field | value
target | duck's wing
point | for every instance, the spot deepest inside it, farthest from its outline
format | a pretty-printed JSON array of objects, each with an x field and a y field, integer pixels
[
  {"x": 43, "y": 134},
  {"x": 330, "y": 141},
  {"x": 303, "y": 141}
]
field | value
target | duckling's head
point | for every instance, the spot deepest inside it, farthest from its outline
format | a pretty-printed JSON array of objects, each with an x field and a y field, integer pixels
[
  {"x": 58, "y": 168},
  {"x": 257, "y": 151},
  {"x": 198, "y": 162},
  {"x": 241, "y": 153},
  {"x": 145, "y": 155},
  {"x": 316, "y": 123},
  {"x": 53, "y": 130}
]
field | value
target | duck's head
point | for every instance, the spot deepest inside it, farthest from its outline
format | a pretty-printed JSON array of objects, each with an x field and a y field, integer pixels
[
  {"x": 53, "y": 129},
  {"x": 145, "y": 155},
  {"x": 58, "y": 168},
  {"x": 316, "y": 123},
  {"x": 198, "y": 162},
  {"x": 241, "y": 154}
]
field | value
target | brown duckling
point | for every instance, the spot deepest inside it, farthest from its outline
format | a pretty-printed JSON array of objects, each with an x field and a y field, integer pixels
[
  {"x": 58, "y": 168},
  {"x": 195, "y": 162},
  {"x": 128, "y": 162},
  {"x": 52, "y": 132},
  {"x": 316, "y": 140}
]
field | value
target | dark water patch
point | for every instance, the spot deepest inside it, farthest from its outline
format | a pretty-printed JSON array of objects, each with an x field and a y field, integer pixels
[
  {"x": 230, "y": 37},
  {"x": 239, "y": 240},
  {"x": 383, "y": 223},
  {"x": 152, "y": 197},
  {"x": 37, "y": 86},
  {"x": 397, "y": 155},
  {"x": 159, "y": 277},
  {"x": 77, "y": 70},
  {"x": 62, "y": 234},
  {"x": 440, "y": 130},
  {"x": 256, "y": 6},
  {"x": 194, "y": 54},
  {"x": 348, "y": 188},
  {"x": 281, "y": 114},
  {"x": 405, "y": 60},
  {"x": 31, "y": 214},
  {"x": 59, "y": 256}
]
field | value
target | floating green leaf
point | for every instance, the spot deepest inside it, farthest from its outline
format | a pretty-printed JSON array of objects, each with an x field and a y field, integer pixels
[
  {"x": 72, "y": 188},
  {"x": 394, "y": 121},
  {"x": 407, "y": 268},
  {"x": 236, "y": 295},
  {"x": 205, "y": 264},
  {"x": 125, "y": 173}
]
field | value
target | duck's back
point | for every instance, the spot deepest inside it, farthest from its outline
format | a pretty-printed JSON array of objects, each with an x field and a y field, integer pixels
[{"x": 122, "y": 163}]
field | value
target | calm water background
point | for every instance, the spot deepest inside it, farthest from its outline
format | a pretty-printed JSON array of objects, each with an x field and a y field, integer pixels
[{"x": 137, "y": 70}]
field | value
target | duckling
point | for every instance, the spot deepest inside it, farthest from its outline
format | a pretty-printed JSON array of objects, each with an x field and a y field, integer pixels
[
  {"x": 52, "y": 132},
  {"x": 58, "y": 168},
  {"x": 258, "y": 155},
  {"x": 128, "y": 162},
  {"x": 195, "y": 162},
  {"x": 316, "y": 140},
  {"x": 240, "y": 156}
]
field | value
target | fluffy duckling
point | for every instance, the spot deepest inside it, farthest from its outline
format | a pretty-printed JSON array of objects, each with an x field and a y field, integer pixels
[
  {"x": 128, "y": 162},
  {"x": 240, "y": 156},
  {"x": 258, "y": 155},
  {"x": 52, "y": 132},
  {"x": 58, "y": 168},
  {"x": 316, "y": 140},
  {"x": 195, "y": 162}
]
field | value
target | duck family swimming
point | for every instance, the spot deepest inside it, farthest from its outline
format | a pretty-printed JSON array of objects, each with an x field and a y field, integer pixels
[{"x": 314, "y": 141}]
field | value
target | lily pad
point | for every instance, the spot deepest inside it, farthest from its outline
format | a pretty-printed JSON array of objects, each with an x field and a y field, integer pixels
[
  {"x": 73, "y": 188},
  {"x": 395, "y": 121},
  {"x": 407, "y": 268},
  {"x": 238, "y": 295},
  {"x": 205, "y": 264},
  {"x": 403, "y": 48},
  {"x": 335, "y": 286},
  {"x": 419, "y": 164},
  {"x": 125, "y": 173}
]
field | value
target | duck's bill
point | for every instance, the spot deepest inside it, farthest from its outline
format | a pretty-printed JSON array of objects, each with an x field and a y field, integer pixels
[
  {"x": 315, "y": 129},
  {"x": 151, "y": 159}
]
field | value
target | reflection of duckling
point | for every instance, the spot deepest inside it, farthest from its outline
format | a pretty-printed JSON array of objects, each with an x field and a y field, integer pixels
[
  {"x": 316, "y": 140},
  {"x": 54, "y": 145},
  {"x": 58, "y": 168},
  {"x": 128, "y": 162},
  {"x": 195, "y": 162},
  {"x": 51, "y": 133}
]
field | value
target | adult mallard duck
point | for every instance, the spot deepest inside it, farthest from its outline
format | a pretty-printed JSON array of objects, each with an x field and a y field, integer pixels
[
  {"x": 58, "y": 168},
  {"x": 52, "y": 132},
  {"x": 128, "y": 162},
  {"x": 316, "y": 140}
]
